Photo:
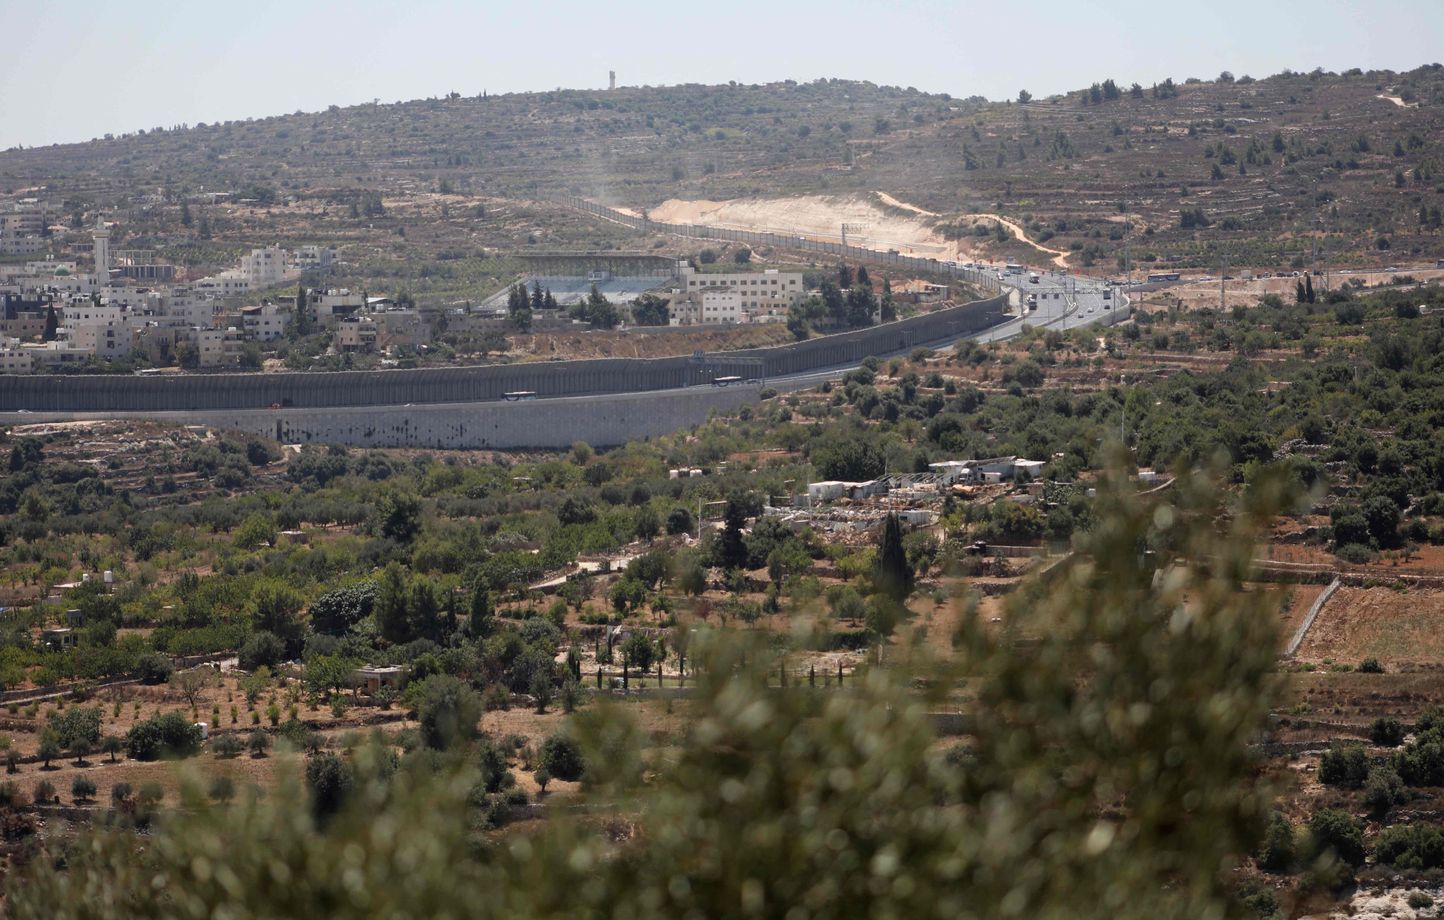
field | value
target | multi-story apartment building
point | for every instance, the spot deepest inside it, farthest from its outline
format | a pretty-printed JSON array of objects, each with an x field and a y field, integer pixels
[
  {"x": 230, "y": 283},
  {"x": 706, "y": 307},
  {"x": 314, "y": 258},
  {"x": 265, "y": 268},
  {"x": 356, "y": 334},
  {"x": 219, "y": 347},
  {"x": 266, "y": 321},
  {"x": 763, "y": 292},
  {"x": 14, "y": 359},
  {"x": 331, "y": 306}
]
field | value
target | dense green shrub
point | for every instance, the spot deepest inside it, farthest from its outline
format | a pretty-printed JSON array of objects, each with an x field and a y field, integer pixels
[
  {"x": 1386, "y": 732},
  {"x": 1277, "y": 852},
  {"x": 1346, "y": 766},
  {"x": 1382, "y": 790},
  {"x": 1335, "y": 831},
  {"x": 1410, "y": 847},
  {"x": 168, "y": 735},
  {"x": 562, "y": 757}
]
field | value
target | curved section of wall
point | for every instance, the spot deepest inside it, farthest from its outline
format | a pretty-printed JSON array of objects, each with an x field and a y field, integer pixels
[
  {"x": 201, "y": 393},
  {"x": 602, "y": 421}
]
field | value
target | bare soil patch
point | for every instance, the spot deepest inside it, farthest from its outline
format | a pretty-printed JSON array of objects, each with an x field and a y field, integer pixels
[{"x": 1392, "y": 625}]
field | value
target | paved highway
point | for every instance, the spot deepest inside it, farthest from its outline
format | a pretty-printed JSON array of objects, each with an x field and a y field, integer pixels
[{"x": 1064, "y": 301}]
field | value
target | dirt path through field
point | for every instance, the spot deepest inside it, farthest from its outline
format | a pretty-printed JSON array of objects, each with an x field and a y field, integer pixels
[
  {"x": 1060, "y": 258},
  {"x": 887, "y": 199}
]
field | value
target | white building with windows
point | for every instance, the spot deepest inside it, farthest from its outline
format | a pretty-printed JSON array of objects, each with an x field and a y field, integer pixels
[
  {"x": 266, "y": 267},
  {"x": 15, "y": 359},
  {"x": 265, "y": 322},
  {"x": 331, "y": 306},
  {"x": 230, "y": 283},
  {"x": 314, "y": 258},
  {"x": 219, "y": 347},
  {"x": 760, "y": 292},
  {"x": 104, "y": 340}
]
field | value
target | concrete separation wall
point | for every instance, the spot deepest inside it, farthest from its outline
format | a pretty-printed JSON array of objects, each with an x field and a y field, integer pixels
[
  {"x": 205, "y": 392},
  {"x": 602, "y": 421}
]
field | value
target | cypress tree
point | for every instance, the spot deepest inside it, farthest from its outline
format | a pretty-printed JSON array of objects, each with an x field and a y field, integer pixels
[
  {"x": 894, "y": 575},
  {"x": 303, "y": 315},
  {"x": 424, "y": 611},
  {"x": 731, "y": 550},
  {"x": 480, "y": 620}
]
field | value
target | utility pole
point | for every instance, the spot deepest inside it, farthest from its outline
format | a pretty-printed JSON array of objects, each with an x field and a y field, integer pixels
[
  {"x": 1123, "y": 420},
  {"x": 1222, "y": 273},
  {"x": 1127, "y": 244}
]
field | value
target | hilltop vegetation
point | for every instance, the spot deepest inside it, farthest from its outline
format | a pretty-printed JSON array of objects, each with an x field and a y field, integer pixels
[{"x": 1255, "y": 171}]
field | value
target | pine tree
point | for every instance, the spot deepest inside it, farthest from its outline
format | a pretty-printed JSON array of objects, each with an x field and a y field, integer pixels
[
  {"x": 862, "y": 277},
  {"x": 391, "y": 606},
  {"x": 1299, "y": 295},
  {"x": 844, "y": 277},
  {"x": 550, "y": 301},
  {"x": 889, "y": 311},
  {"x": 538, "y": 302},
  {"x": 185, "y": 213},
  {"x": 894, "y": 575},
  {"x": 518, "y": 304}
]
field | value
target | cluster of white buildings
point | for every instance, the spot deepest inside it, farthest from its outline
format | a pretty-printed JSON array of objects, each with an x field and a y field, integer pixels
[
  {"x": 911, "y": 487},
  {"x": 268, "y": 267},
  {"x": 710, "y": 298},
  {"x": 55, "y": 314},
  {"x": 992, "y": 470}
]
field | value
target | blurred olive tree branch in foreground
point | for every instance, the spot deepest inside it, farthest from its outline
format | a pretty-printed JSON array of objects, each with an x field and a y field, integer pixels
[{"x": 1106, "y": 773}]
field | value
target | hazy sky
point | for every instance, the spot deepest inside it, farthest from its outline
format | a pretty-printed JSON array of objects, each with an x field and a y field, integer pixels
[{"x": 72, "y": 70}]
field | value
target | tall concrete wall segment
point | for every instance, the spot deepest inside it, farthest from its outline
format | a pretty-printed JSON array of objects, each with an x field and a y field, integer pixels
[
  {"x": 602, "y": 421},
  {"x": 203, "y": 393}
]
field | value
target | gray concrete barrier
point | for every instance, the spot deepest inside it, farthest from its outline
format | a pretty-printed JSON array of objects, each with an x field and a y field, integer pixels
[
  {"x": 249, "y": 391},
  {"x": 602, "y": 421}
]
